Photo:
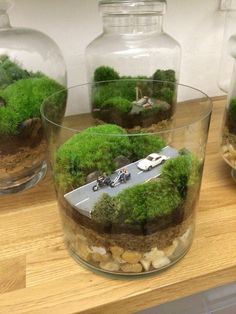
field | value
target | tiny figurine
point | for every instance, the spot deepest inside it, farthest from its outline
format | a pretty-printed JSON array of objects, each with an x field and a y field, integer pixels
[{"x": 102, "y": 181}]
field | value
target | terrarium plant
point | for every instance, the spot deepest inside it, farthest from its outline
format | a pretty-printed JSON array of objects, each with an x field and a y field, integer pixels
[
  {"x": 138, "y": 219},
  {"x": 21, "y": 135},
  {"x": 133, "y": 101}
]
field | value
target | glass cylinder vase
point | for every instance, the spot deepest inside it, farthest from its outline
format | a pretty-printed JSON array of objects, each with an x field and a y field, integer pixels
[{"x": 127, "y": 196}]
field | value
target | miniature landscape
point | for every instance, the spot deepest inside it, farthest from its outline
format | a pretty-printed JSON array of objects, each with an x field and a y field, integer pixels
[
  {"x": 139, "y": 228},
  {"x": 229, "y": 134},
  {"x": 133, "y": 101},
  {"x": 22, "y": 144}
]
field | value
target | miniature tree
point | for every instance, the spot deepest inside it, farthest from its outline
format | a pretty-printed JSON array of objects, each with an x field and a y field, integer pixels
[{"x": 105, "y": 73}]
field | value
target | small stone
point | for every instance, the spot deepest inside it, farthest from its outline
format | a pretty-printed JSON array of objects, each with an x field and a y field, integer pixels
[
  {"x": 116, "y": 250},
  {"x": 121, "y": 161},
  {"x": 92, "y": 176},
  {"x": 119, "y": 260},
  {"x": 96, "y": 257},
  {"x": 110, "y": 266},
  {"x": 100, "y": 250},
  {"x": 153, "y": 255},
  {"x": 161, "y": 262},
  {"x": 170, "y": 250},
  {"x": 131, "y": 257},
  {"x": 146, "y": 264},
  {"x": 132, "y": 268}
]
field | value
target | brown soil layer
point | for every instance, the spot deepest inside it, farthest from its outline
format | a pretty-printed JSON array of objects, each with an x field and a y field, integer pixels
[
  {"x": 23, "y": 151},
  {"x": 140, "y": 243},
  {"x": 160, "y": 232}
]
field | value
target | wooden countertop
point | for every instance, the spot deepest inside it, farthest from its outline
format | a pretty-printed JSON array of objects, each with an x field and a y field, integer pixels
[{"x": 38, "y": 276}]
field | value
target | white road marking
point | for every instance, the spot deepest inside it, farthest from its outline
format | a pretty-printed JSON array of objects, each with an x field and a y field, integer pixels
[
  {"x": 140, "y": 172},
  {"x": 85, "y": 200}
]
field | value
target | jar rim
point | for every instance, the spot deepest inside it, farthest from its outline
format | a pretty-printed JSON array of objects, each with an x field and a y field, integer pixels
[
  {"x": 194, "y": 121},
  {"x": 115, "y": 7}
]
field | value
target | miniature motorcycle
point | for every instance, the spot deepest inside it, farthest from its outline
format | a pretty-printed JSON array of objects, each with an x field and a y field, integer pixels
[
  {"x": 122, "y": 177},
  {"x": 102, "y": 182}
]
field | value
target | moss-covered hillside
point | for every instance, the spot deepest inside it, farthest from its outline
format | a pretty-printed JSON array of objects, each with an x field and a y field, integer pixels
[
  {"x": 95, "y": 150},
  {"x": 22, "y": 94}
]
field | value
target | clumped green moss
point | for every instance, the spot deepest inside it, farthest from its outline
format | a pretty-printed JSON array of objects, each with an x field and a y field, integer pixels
[
  {"x": 183, "y": 171},
  {"x": 147, "y": 201},
  {"x": 91, "y": 150},
  {"x": 122, "y": 105},
  {"x": 105, "y": 211},
  {"x": 23, "y": 100},
  {"x": 144, "y": 145},
  {"x": 105, "y": 73}
]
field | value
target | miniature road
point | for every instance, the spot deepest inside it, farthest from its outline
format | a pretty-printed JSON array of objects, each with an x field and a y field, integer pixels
[{"x": 84, "y": 198}]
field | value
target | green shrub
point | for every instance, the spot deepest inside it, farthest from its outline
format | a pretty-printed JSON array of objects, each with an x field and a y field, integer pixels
[
  {"x": 105, "y": 211},
  {"x": 91, "y": 150},
  {"x": 164, "y": 90},
  {"x": 182, "y": 172},
  {"x": 23, "y": 100},
  {"x": 144, "y": 145},
  {"x": 232, "y": 109},
  {"x": 147, "y": 201},
  {"x": 105, "y": 73},
  {"x": 121, "y": 104}
]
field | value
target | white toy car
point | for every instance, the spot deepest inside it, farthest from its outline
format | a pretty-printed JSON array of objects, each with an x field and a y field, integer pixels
[{"x": 151, "y": 161}]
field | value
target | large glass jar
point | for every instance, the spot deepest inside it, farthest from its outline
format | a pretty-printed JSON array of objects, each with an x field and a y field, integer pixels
[
  {"x": 133, "y": 45},
  {"x": 127, "y": 197},
  {"x": 228, "y": 143},
  {"x": 31, "y": 69}
]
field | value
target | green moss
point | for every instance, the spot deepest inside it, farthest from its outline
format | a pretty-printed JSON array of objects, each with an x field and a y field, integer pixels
[
  {"x": 182, "y": 171},
  {"x": 91, "y": 150},
  {"x": 121, "y": 104},
  {"x": 105, "y": 73},
  {"x": 147, "y": 201},
  {"x": 23, "y": 100},
  {"x": 105, "y": 211},
  {"x": 144, "y": 145},
  {"x": 232, "y": 109}
]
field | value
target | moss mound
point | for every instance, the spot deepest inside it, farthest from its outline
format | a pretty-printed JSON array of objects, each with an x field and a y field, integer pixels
[
  {"x": 23, "y": 100},
  {"x": 95, "y": 150}
]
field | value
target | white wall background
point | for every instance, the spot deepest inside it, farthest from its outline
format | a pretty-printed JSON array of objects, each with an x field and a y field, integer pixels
[{"x": 197, "y": 25}]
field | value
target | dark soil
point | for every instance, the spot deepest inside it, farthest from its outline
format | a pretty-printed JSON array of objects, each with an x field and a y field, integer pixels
[{"x": 30, "y": 134}]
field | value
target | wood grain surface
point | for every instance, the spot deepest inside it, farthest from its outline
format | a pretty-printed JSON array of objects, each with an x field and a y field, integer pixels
[{"x": 38, "y": 276}]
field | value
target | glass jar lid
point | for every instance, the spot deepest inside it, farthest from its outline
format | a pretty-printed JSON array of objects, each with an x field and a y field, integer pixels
[{"x": 139, "y": 7}]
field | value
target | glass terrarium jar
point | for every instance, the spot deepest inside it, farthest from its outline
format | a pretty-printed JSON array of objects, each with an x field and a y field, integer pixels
[
  {"x": 127, "y": 196},
  {"x": 31, "y": 69},
  {"x": 134, "y": 45},
  {"x": 228, "y": 144}
]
